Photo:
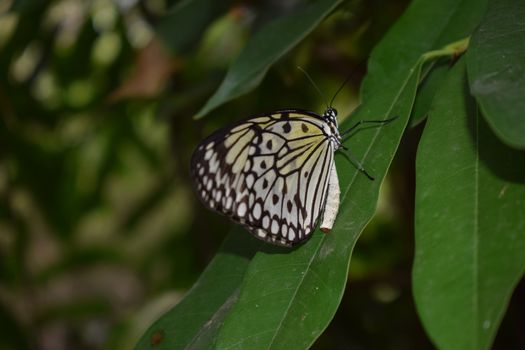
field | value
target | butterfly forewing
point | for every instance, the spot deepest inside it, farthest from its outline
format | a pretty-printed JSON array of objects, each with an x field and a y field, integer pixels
[{"x": 270, "y": 173}]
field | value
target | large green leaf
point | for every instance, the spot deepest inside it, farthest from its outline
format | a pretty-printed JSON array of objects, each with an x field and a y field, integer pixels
[
  {"x": 496, "y": 68},
  {"x": 470, "y": 227},
  {"x": 288, "y": 299},
  {"x": 264, "y": 49}
]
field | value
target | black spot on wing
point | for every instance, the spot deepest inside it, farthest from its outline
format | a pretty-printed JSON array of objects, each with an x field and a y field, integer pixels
[{"x": 304, "y": 128}]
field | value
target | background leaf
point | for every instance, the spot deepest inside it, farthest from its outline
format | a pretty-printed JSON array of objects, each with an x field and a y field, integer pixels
[
  {"x": 264, "y": 49},
  {"x": 470, "y": 231},
  {"x": 185, "y": 22},
  {"x": 496, "y": 68}
]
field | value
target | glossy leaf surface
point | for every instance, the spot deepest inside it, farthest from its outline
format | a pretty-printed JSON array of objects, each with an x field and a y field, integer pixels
[
  {"x": 496, "y": 68},
  {"x": 470, "y": 228}
]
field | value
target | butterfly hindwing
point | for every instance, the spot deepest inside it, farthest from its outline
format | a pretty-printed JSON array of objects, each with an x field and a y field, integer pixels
[{"x": 269, "y": 173}]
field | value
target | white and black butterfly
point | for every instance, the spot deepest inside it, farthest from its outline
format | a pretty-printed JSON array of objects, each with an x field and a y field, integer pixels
[{"x": 274, "y": 173}]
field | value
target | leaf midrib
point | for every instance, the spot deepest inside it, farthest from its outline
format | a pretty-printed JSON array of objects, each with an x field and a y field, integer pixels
[
  {"x": 285, "y": 314},
  {"x": 475, "y": 267}
]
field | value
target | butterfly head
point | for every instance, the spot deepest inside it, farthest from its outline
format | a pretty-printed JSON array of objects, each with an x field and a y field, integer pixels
[{"x": 330, "y": 115}]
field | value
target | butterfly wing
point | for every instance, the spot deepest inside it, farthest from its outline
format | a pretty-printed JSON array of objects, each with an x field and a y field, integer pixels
[{"x": 269, "y": 173}]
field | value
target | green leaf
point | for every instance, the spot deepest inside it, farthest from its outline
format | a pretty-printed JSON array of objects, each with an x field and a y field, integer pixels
[
  {"x": 424, "y": 27},
  {"x": 193, "y": 322},
  {"x": 470, "y": 228},
  {"x": 496, "y": 69},
  {"x": 264, "y": 49},
  {"x": 287, "y": 299},
  {"x": 187, "y": 20}
]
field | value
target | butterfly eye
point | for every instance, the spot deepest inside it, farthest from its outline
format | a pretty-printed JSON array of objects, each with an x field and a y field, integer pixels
[{"x": 331, "y": 112}]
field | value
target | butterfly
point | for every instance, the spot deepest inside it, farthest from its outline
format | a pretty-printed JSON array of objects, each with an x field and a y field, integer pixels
[{"x": 274, "y": 173}]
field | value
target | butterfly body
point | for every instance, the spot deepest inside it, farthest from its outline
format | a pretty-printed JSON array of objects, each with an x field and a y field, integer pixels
[{"x": 272, "y": 173}]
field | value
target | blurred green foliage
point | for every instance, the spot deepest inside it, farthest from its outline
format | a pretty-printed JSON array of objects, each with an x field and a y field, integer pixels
[{"x": 99, "y": 230}]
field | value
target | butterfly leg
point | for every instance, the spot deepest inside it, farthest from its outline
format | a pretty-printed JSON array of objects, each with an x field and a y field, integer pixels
[
  {"x": 357, "y": 124},
  {"x": 356, "y": 163},
  {"x": 332, "y": 201}
]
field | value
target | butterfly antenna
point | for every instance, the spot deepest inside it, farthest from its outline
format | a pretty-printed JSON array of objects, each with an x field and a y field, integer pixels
[
  {"x": 314, "y": 85},
  {"x": 349, "y": 76},
  {"x": 340, "y": 88}
]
